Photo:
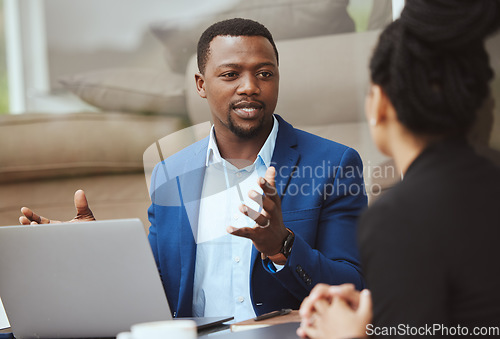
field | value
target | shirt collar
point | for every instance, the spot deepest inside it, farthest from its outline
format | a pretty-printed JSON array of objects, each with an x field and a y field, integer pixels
[{"x": 265, "y": 153}]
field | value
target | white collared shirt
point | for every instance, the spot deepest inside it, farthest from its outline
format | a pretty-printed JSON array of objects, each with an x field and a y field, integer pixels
[{"x": 222, "y": 269}]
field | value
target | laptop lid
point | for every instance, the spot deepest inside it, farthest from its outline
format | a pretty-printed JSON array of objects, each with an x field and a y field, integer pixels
[{"x": 92, "y": 279}]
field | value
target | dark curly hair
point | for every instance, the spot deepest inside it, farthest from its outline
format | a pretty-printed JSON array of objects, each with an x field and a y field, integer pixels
[
  {"x": 432, "y": 63},
  {"x": 231, "y": 27}
]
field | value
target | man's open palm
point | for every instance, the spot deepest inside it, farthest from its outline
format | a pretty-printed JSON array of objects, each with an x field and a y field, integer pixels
[{"x": 83, "y": 213}]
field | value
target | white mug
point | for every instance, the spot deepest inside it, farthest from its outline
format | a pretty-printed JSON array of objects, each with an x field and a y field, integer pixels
[{"x": 175, "y": 329}]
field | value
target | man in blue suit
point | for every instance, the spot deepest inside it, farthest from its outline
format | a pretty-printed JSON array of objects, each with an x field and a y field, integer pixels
[
  {"x": 294, "y": 228},
  {"x": 313, "y": 192}
]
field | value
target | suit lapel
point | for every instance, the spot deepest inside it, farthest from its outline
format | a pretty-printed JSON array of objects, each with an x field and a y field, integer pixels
[
  {"x": 285, "y": 159},
  {"x": 285, "y": 156}
]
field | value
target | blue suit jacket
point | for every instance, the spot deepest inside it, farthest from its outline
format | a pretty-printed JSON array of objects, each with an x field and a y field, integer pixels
[{"x": 321, "y": 187}]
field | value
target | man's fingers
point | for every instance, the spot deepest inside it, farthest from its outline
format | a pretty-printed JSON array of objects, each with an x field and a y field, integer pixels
[
  {"x": 83, "y": 212},
  {"x": 265, "y": 202},
  {"x": 268, "y": 208},
  {"x": 33, "y": 217},
  {"x": 269, "y": 190},
  {"x": 268, "y": 184},
  {"x": 260, "y": 218},
  {"x": 30, "y": 215},
  {"x": 81, "y": 205},
  {"x": 245, "y": 232},
  {"x": 249, "y": 212},
  {"x": 80, "y": 200},
  {"x": 270, "y": 175},
  {"x": 256, "y": 196},
  {"x": 24, "y": 221}
]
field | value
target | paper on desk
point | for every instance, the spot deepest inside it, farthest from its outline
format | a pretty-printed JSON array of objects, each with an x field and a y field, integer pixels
[{"x": 4, "y": 322}]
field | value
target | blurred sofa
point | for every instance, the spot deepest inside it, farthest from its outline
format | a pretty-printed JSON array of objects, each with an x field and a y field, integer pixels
[{"x": 46, "y": 157}]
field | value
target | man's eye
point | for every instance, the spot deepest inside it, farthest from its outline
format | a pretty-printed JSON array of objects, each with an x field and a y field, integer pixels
[
  {"x": 265, "y": 74},
  {"x": 229, "y": 75}
]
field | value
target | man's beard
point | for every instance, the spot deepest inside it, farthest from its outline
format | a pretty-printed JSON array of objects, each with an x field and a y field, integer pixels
[{"x": 244, "y": 133}]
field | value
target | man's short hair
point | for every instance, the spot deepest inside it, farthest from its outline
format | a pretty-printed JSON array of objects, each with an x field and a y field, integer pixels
[{"x": 230, "y": 27}]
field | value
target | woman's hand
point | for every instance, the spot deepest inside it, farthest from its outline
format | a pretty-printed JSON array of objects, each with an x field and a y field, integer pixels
[{"x": 335, "y": 312}]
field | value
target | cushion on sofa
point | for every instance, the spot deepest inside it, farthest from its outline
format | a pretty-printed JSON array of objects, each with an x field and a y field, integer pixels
[
  {"x": 286, "y": 19},
  {"x": 37, "y": 146},
  {"x": 130, "y": 90}
]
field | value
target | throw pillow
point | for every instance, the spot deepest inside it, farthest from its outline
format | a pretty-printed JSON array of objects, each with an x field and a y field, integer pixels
[
  {"x": 286, "y": 19},
  {"x": 130, "y": 90}
]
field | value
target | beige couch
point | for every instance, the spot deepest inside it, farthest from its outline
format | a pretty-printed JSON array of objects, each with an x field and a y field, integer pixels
[{"x": 46, "y": 157}]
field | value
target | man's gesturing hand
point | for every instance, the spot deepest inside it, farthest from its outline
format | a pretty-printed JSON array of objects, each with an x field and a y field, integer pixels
[
  {"x": 270, "y": 232},
  {"x": 83, "y": 213}
]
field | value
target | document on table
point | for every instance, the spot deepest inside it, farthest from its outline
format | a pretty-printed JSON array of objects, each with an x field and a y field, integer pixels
[{"x": 4, "y": 322}]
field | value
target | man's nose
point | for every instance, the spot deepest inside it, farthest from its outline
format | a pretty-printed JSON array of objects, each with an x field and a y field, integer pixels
[{"x": 249, "y": 85}]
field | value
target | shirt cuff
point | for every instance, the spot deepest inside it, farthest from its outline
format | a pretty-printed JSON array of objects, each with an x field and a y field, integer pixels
[{"x": 273, "y": 267}]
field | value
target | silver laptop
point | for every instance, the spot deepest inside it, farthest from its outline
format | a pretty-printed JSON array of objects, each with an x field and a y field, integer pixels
[{"x": 91, "y": 279}]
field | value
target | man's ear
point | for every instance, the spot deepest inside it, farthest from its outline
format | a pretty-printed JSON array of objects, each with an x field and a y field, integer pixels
[{"x": 200, "y": 84}]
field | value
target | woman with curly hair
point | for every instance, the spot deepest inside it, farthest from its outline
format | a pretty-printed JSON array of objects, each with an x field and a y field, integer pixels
[{"x": 429, "y": 246}]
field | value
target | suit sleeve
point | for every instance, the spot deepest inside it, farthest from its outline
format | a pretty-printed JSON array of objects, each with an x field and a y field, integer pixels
[
  {"x": 332, "y": 256},
  {"x": 164, "y": 194}
]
